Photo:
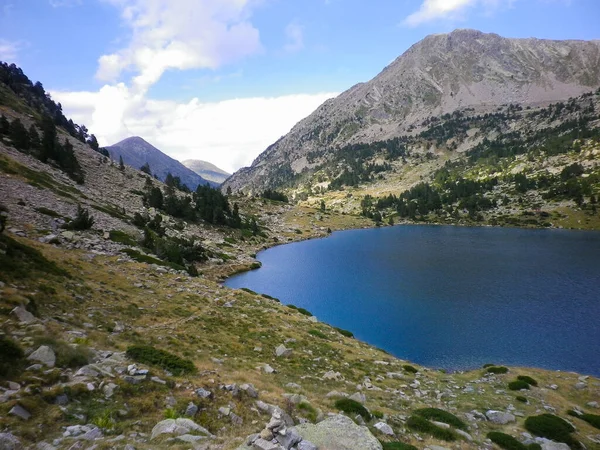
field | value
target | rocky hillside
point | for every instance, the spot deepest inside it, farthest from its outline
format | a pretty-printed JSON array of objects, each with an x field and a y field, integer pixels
[
  {"x": 136, "y": 152},
  {"x": 206, "y": 170},
  {"x": 462, "y": 70},
  {"x": 115, "y": 332}
]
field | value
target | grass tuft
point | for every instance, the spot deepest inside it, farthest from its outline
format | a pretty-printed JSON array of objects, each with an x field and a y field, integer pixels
[
  {"x": 420, "y": 424},
  {"x": 439, "y": 415},
  {"x": 147, "y": 354},
  {"x": 350, "y": 406}
]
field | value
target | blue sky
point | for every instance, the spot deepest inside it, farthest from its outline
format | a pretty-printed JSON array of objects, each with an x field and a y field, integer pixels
[{"x": 222, "y": 79}]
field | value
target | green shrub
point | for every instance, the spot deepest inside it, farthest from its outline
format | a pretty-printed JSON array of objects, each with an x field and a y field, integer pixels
[
  {"x": 592, "y": 419},
  {"x": 122, "y": 238},
  {"x": 521, "y": 399},
  {"x": 318, "y": 334},
  {"x": 439, "y": 415},
  {"x": 485, "y": 366},
  {"x": 410, "y": 369},
  {"x": 552, "y": 427},
  {"x": 420, "y": 424},
  {"x": 140, "y": 257},
  {"x": 497, "y": 369},
  {"x": 11, "y": 356},
  {"x": 149, "y": 355},
  {"x": 19, "y": 261},
  {"x": 308, "y": 411},
  {"x": 249, "y": 291},
  {"x": 530, "y": 381},
  {"x": 352, "y": 407},
  {"x": 301, "y": 310},
  {"x": 397, "y": 446},
  {"x": 508, "y": 442},
  {"x": 82, "y": 220},
  {"x": 271, "y": 298},
  {"x": 517, "y": 385},
  {"x": 344, "y": 332}
]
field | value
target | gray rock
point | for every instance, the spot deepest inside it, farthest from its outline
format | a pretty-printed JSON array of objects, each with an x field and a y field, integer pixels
[
  {"x": 551, "y": 445},
  {"x": 288, "y": 438},
  {"x": 109, "y": 389},
  {"x": 499, "y": 417},
  {"x": 266, "y": 368},
  {"x": 336, "y": 394},
  {"x": 464, "y": 434},
  {"x": 44, "y": 355},
  {"x": 580, "y": 386},
  {"x": 203, "y": 393},
  {"x": 295, "y": 399},
  {"x": 384, "y": 428},
  {"x": 23, "y": 315},
  {"x": 235, "y": 419},
  {"x": 261, "y": 444},
  {"x": 592, "y": 404},
  {"x": 250, "y": 390},
  {"x": 282, "y": 351},
  {"x": 16, "y": 386},
  {"x": 338, "y": 432},
  {"x": 436, "y": 447},
  {"x": 331, "y": 375},
  {"x": 359, "y": 397},
  {"x": 224, "y": 411},
  {"x": 9, "y": 442},
  {"x": 191, "y": 410},
  {"x": 19, "y": 411},
  {"x": 177, "y": 427},
  {"x": 87, "y": 371},
  {"x": 92, "y": 434},
  {"x": 306, "y": 445}
]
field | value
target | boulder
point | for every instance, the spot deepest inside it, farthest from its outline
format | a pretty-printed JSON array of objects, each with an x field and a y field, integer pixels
[
  {"x": 282, "y": 351},
  {"x": 384, "y": 428},
  {"x": 338, "y": 432},
  {"x": 551, "y": 445},
  {"x": 499, "y": 417},
  {"x": 19, "y": 411},
  {"x": 9, "y": 442},
  {"x": 23, "y": 315},
  {"x": 359, "y": 397},
  {"x": 177, "y": 427},
  {"x": 44, "y": 355}
]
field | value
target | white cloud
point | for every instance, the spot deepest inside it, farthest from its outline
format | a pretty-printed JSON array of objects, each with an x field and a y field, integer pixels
[
  {"x": 180, "y": 34},
  {"x": 229, "y": 133},
  {"x": 294, "y": 34},
  {"x": 450, "y": 9},
  {"x": 63, "y": 3},
  {"x": 9, "y": 50}
]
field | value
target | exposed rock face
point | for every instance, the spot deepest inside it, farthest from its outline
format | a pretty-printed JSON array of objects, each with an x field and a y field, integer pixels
[
  {"x": 136, "y": 152},
  {"x": 45, "y": 355},
  {"x": 339, "y": 433},
  {"x": 206, "y": 170},
  {"x": 438, "y": 75}
]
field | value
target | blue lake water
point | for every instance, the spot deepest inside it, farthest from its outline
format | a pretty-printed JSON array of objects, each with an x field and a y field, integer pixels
[{"x": 449, "y": 297}]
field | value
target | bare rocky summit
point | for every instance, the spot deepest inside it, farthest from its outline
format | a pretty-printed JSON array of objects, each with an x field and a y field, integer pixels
[
  {"x": 206, "y": 170},
  {"x": 438, "y": 75}
]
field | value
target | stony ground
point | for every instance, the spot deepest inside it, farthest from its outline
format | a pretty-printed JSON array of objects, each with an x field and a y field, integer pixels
[{"x": 258, "y": 368}]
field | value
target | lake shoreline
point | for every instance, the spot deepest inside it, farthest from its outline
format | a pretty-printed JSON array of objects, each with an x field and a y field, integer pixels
[{"x": 388, "y": 348}]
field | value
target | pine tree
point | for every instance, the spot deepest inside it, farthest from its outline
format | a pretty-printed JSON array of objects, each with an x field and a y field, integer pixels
[
  {"x": 34, "y": 138},
  {"x": 19, "y": 135},
  {"x": 121, "y": 164},
  {"x": 4, "y": 125}
]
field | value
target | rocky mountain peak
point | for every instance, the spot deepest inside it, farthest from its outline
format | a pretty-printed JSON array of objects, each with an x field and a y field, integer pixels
[{"x": 440, "y": 74}]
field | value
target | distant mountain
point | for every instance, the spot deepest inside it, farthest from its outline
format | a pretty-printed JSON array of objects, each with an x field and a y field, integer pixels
[
  {"x": 441, "y": 74},
  {"x": 206, "y": 170},
  {"x": 136, "y": 152}
]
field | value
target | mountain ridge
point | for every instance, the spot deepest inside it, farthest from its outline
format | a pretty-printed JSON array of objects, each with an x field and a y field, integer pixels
[
  {"x": 136, "y": 152},
  {"x": 437, "y": 75},
  {"x": 207, "y": 170}
]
